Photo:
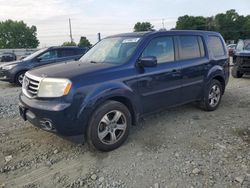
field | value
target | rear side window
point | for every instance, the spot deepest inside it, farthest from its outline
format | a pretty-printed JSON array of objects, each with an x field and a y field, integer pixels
[
  {"x": 191, "y": 47},
  {"x": 66, "y": 52},
  {"x": 216, "y": 46},
  {"x": 162, "y": 48},
  {"x": 80, "y": 51}
]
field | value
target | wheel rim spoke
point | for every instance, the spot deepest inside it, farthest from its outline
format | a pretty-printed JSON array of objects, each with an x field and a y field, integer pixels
[
  {"x": 105, "y": 120},
  {"x": 113, "y": 137},
  {"x": 120, "y": 126},
  {"x": 117, "y": 116},
  {"x": 103, "y": 134}
]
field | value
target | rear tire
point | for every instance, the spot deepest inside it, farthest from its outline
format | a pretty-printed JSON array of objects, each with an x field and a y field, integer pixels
[
  {"x": 109, "y": 126},
  {"x": 212, "y": 96},
  {"x": 19, "y": 78}
]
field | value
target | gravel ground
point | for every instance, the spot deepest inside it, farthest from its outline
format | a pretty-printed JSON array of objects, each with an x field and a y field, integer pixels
[{"x": 180, "y": 147}]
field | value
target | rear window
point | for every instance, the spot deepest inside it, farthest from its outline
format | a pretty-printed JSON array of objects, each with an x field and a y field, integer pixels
[
  {"x": 216, "y": 46},
  {"x": 191, "y": 47}
]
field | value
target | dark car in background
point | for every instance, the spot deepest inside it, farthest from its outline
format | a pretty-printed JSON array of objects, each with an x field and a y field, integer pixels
[
  {"x": 7, "y": 57},
  {"x": 123, "y": 78},
  {"x": 241, "y": 59},
  {"x": 13, "y": 72}
]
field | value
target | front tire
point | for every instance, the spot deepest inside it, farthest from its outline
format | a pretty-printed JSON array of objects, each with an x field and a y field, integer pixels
[
  {"x": 19, "y": 78},
  {"x": 109, "y": 126},
  {"x": 212, "y": 96}
]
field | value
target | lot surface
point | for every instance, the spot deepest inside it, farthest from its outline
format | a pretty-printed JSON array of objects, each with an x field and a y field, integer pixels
[{"x": 180, "y": 147}]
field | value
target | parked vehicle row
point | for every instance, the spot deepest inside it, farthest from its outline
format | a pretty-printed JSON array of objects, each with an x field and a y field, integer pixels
[
  {"x": 123, "y": 78},
  {"x": 14, "y": 71},
  {"x": 7, "y": 57}
]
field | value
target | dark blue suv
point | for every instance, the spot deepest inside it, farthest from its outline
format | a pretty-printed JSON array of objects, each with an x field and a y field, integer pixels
[{"x": 123, "y": 78}]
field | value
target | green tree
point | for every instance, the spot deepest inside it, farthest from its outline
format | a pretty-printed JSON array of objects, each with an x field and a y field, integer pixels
[
  {"x": 69, "y": 44},
  {"x": 191, "y": 22},
  {"x": 16, "y": 34},
  {"x": 143, "y": 26},
  {"x": 246, "y": 28},
  {"x": 84, "y": 42},
  {"x": 231, "y": 25}
]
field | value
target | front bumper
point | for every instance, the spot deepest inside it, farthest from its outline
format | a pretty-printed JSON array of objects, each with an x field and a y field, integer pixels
[
  {"x": 52, "y": 115},
  {"x": 5, "y": 75}
]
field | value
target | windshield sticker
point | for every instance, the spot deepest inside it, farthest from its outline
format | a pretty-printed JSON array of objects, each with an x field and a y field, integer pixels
[{"x": 131, "y": 40}]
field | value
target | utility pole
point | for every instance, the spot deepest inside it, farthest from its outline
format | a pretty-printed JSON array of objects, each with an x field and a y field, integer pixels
[
  {"x": 163, "y": 25},
  {"x": 99, "y": 37},
  {"x": 70, "y": 30}
]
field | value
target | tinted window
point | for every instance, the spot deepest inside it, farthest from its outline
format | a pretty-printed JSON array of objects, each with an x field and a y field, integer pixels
[
  {"x": 66, "y": 52},
  {"x": 81, "y": 51},
  {"x": 52, "y": 54},
  {"x": 240, "y": 45},
  {"x": 216, "y": 46},
  {"x": 162, "y": 48},
  {"x": 191, "y": 47},
  {"x": 247, "y": 47}
]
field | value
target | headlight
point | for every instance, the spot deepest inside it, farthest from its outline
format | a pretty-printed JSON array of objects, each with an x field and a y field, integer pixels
[
  {"x": 8, "y": 67},
  {"x": 54, "y": 87}
]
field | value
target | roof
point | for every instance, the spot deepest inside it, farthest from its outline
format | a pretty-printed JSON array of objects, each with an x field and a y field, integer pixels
[{"x": 147, "y": 33}]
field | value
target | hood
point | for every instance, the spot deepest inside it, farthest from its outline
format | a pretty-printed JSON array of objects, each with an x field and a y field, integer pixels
[
  {"x": 9, "y": 63},
  {"x": 68, "y": 70},
  {"x": 244, "y": 53}
]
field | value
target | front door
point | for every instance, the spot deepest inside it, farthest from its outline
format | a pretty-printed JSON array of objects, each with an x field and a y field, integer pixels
[{"x": 160, "y": 86}]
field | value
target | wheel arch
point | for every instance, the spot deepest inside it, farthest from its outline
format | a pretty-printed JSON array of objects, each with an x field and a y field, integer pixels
[{"x": 217, "y": 73}]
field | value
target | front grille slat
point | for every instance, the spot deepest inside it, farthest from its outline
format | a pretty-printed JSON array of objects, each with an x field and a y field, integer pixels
[{"x": 31, "y": 85}]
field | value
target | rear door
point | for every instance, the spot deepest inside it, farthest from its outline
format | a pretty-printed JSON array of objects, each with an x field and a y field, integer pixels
[
  {"x": 66, "y": 54},
  {"x": 160, "y": 86},
  {"x": 193, "y": 61}
]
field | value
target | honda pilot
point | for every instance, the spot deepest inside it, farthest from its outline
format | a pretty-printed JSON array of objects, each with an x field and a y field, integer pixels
[{"x": 124, "y": 78}]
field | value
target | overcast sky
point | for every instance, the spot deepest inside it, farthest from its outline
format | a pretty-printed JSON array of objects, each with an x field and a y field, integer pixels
[{"x": 89, "y": 17}]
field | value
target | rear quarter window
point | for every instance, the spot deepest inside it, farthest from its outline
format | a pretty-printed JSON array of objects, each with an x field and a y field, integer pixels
[{"x": 216, "y": 46}]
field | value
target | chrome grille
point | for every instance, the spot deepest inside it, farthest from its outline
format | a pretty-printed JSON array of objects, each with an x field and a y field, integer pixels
[{"x": 31, "y": 85}]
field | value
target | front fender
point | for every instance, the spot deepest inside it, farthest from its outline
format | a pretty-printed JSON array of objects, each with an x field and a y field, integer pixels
[{"x": 105, "y": 92}]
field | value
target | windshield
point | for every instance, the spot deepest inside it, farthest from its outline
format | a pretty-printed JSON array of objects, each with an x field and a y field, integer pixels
[
  {"x": 117, "y": 50},
  {"x": 31, "y": 56}
]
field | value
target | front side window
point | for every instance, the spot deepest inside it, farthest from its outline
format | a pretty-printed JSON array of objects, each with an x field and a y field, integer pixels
[
  {"x": 216, "y": 46},
  {"x": 247, "y": 47},
  {"x": 162, "y": 48},
  {"x": 116, "y": 50},
  {"x": 48, "y": 55},
  {"x": 240, "y": 46},
  {"x": 191, "y": 47}
]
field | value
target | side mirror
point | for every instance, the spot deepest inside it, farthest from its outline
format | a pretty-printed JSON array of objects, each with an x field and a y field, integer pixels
[{"x": 149, "y": 61}]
